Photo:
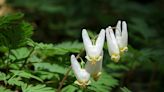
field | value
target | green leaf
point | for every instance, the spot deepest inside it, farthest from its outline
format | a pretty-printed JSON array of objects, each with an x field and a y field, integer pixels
[
  {"x": 124, "y": 89},
  {"x": 59, "y": 49},
  {"x": 19, "y": 54},
  {"x": 4, "y": 77},
  {"x": 10, "y": 18},
  {"x": 47, "y": 75},
  {"x": 15, "y": 81},
  {"x": 104, "y": 84},
  {"x": 117, "y": 67},
  {"x": 69, "y": 46},
  {"x": 24, "y": 74},
  {"x": 14, "y": 32},
  {"x": 69, "y": 88},
  {"x": 3, "y": 89},
  {"x": 37, "y": 88},
  {"x": 50, "y": 67}
]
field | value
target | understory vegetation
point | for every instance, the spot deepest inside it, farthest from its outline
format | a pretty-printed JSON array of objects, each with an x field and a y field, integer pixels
[{"x": 37, "y": 38}]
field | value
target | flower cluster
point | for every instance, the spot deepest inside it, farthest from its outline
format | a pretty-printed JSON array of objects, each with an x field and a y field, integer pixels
[{"x": 117, "y": 44}]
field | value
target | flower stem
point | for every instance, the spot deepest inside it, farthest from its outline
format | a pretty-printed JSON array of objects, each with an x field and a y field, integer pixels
[{"x": 66, "y": 75}]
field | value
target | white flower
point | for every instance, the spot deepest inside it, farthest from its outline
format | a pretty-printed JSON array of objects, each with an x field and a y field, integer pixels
[
  {"x": 95, "y": 69},
  {"x": 82, "y": 75},
  {"x": 93, "y": 50},
  {"x": 113, "y": 48},
  {"x": 122, "y": 36}
]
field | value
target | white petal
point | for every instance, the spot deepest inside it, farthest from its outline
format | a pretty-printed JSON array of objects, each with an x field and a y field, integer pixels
[
  {"x": 124, "y": 34},
  {"x": 118, "y": 33},
  {"x": 111, "y": 42},
  {"x": 100, "y": 41},
  {"x": 81, "y": 74},
  {"x": 118, "y": 29},
  {"x": 75, "y": 65},
  {"x": 86, "y": 40},
  {"x": 94, "y": 68}
]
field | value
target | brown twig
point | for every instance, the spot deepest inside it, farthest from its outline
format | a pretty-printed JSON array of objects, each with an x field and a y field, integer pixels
[{"x": 66, "y": 75}]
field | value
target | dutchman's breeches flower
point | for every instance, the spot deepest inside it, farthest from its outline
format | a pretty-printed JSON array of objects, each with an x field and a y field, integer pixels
[
  {"x": 122, "y": 36},
  {"x": 117, "y": 43},
  {"x": 93, "y": 49},
  {"x": 95, "y": 69},
  {"x": 113, "y": 48},
  {"x": 81, "y": 74}
]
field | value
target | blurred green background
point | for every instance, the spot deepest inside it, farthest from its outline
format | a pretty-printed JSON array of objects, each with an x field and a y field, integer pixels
[{"x": 56, "y": 21}]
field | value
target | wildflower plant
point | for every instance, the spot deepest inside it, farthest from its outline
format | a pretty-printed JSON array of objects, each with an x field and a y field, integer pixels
[
  {"x": 117, "y": 44},
  {"x": 46, "y": 49},
  {"x": 25, "y": 59}
]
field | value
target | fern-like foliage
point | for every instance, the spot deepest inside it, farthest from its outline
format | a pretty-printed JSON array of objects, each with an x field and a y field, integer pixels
[
  {"x": 14, "y": 32},
  {"x": 25, "y": 75},
  {"x": 104, "y": 84},
  {"x": 15, "y": 81},
  {"x": 37, "y": 88},
  {"x": 4, "y": 77},
  {"x": 124, "y": 89},
  {"x": 50, "y": 67},
  {"x": 69, "y": 88},
  {"x": 3, "y": 89},
  {"x": 59, "y": 49}
]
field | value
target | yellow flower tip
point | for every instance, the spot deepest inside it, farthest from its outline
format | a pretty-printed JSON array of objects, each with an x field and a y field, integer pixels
[
  {"x": 124, "y": 49},
  {"x": 115, "y": 57},
  {"x": 82, "y": 84},
  {"x": 96, "y": 76},
  {"x": 93, "y": 60}
]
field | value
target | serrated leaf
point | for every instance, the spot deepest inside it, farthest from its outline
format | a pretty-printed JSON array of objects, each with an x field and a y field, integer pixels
[
  {"x": 70, "y": 46},
  {"x": 47, "y": 75},
  {"x": 3, "y": 89},
  {"x": 117, "y": 67},
  {"x": 59, "y": 49},
  {"x": 4, "y": 77},
  {"x": 37, "y": 88},
  {"x": 124, "y": 89},
  {"x": 104, "y": 84},
  {"x": 25, "y": 74},
  {"x": 50, "y": 67},
  {"x": 14, "y": 32},
  {"x": 69, "y": 88},
  {"x": 10, "y": 18},
  {"x": 15, "y": 81},
  {"x": 19, "y": 54}
]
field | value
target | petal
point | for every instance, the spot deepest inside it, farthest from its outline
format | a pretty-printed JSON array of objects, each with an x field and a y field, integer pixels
[
  {"x": 81, "y": 74},
  {"x": 75, "y": 65},
  {"x": 118, "y": 29},
  {"x": 86, "y": 40},
  {"x": 118, "y": 33},
  {"x": 111, "y": 42},
  {"x": 124, "y": 34},
  {"x": 89, "y": 67},
  {"x": 100, "y": 41},
  {"x": 94, "y": 68}
]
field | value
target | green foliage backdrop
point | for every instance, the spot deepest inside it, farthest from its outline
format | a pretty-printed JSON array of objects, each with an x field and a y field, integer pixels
[{"x": 38, "y": 37}]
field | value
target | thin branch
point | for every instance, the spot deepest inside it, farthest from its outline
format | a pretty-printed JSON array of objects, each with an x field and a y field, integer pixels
[{"x": 66, "y": 75}]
